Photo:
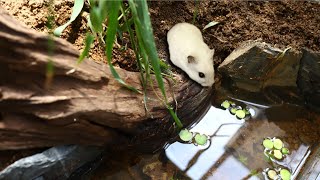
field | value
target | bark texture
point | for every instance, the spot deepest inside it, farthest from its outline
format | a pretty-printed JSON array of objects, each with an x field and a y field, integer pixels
[{"x": 82, "y": 106}]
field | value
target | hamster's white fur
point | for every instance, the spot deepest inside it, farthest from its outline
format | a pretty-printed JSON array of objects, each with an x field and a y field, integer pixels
[{"x": 189, "y": 53}]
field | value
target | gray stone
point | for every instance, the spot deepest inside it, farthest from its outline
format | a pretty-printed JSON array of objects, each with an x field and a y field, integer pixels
[
  {"x": 256, "y": 65},
  {"x": 55, "y": 163},
  {"x": 309, "y": 78}
]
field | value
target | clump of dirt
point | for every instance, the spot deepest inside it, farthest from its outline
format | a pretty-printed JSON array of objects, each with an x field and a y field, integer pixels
[{"x": 282, "y": 24}]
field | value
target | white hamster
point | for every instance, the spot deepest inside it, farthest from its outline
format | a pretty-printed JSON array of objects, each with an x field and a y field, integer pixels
[{"x": 189, "y": 53}]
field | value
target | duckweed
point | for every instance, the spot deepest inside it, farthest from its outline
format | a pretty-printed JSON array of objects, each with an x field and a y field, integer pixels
[
  {"x": 285, "y": 174},
  {"x": 277, "y": 143},
  {"x": 185, "y": 135},
  {"x": 201, "y": 139},
  {"x": 267, "y": 143}
]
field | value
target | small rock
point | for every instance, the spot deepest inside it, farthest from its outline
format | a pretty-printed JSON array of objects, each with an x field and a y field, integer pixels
[
  {"x": 258, "y": 72},
  {"x": 309, "y": 78},
  {"x": 55, "y": 163},
  {"x": 256, "y": 65}
]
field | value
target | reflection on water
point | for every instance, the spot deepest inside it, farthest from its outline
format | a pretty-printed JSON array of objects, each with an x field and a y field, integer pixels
[{"x": 235, "y": 150}]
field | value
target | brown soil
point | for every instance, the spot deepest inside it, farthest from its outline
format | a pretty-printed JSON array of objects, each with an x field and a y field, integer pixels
[
  {"x": 284, "y": 24},
  {"x": 295, "y": 24}
]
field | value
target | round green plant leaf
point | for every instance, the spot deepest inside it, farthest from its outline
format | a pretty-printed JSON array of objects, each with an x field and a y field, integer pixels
[
  {"x": 240, "y": 114},
  {"x": 272, "y": 174},
  {"x": 285, "y": 151},
  {"x": 201, "y": 139},
  {"x": 225, "y": 104},
  {"x": 185, "y": 135},
  {"x": 277, "y": 154},
  {"x": 277, "y": 143},
  {"x": 233, "y": 110},
  {"x": 285, "y": 174},
  {"x": 267, "y": 143}
]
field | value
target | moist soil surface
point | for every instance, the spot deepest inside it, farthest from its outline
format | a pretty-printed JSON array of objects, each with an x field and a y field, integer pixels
[{"x": 283, "y": 24}]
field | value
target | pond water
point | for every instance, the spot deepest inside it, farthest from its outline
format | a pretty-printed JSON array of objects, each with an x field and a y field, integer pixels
[{"x": 234, "y": 150}]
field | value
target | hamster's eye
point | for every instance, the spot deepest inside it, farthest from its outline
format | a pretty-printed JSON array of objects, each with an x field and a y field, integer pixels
[{"x": 201, "y": 75}]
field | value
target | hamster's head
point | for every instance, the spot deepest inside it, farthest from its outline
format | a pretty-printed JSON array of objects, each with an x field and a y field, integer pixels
[{"x": 200, "y": 68}]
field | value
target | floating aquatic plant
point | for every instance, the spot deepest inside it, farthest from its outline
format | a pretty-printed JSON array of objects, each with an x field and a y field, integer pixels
[
  {"x": 233, "y": 110},
  {"x": 274, "y": 148},
  {"x": 185, "y": 135},
  {"x": 199, "y": 139},
  {"x": 267, "y": 143},
  {"x": 240, "y": 114},
  {"x": 225, "y": 104},
  {"x": 285, "y": 151},
  {"x": 272, "y": 174},
  {"x": 285, "y": 174},
  {"x": 277, "y": 154},
  {"x": 238, "y": 111},
  {"x": 277, "y": 143},
  {"x": 278, "y": 174}
]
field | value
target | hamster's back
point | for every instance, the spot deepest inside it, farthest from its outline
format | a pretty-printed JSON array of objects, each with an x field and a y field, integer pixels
[{"x": 184, "y": 32}]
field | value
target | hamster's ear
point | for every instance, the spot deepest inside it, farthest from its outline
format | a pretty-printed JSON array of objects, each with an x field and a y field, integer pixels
[
  {"x": 191, "y": 60},
  {"x": 212, "y": 52}
]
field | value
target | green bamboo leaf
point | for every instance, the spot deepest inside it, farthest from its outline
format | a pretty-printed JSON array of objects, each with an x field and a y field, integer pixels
[
  {"x": 78, "y": 5},
  {"x": 110, "y": 37},
  {"x": 104, "y": 8},
  {"x": 95, "y": 19},
  {"x": 88, "y": 41},
  {"x": 145, "y": 36},
  {"x": 143, "y": 24}
]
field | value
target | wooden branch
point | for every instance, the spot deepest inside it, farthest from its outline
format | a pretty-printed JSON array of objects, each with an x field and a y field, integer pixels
[{"x": 86, "y": 106}]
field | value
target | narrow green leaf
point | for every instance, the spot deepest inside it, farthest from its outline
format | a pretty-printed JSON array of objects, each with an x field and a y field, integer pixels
[
  {"x": 110, "y": 37},
  {"x": 88, "y": 41},
  {"x": 146, "y": 41},
  {"x": 175, "y": 118},
  {"x": 96, "y": 20},
  {"x": 195, "y": 13},
  {"x": 143, "y": 24},
  {"x": 78, "y": 5},
  {"x": 104, "y": 9},
  {"x": 210, "y": 24},
  {"x": 89, "y": 23}
]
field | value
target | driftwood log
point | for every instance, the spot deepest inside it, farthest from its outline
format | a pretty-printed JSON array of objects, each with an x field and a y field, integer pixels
[{"x": 86, "y": 106}]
